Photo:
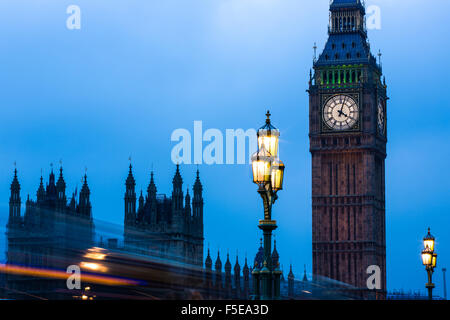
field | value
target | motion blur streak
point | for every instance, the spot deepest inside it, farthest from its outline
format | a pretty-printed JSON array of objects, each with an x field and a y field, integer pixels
[
  {"x": 93, "y": 266},
  {"x": 48, "y": 273},
  {"x": 96, "y": 253}
]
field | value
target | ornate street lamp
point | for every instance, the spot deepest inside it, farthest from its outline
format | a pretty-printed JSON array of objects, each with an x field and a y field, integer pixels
[
  {"x": 268, "y": 174},
  {"x": 429, "y": 260}
]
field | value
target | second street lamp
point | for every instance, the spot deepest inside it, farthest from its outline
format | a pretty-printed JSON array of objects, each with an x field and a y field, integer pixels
[
  {"x": 429, "y": 260},
  {"x": 268, "y": 174}
]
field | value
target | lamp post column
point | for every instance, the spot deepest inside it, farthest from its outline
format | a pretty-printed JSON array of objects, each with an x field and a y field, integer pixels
[
  {"x": 267, "y": 226},
  {"x": 430, "y": 284},
  {"x": 445, "y": 283}
]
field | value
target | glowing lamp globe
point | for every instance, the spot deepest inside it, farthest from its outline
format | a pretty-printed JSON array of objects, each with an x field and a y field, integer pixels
[
  {"x": 261, "y": 162},
  {"x": 427, "y": 257},
  {"x": 429, "y": 241},
  {"x": 434, "y": 260},
  {"x": 268, "y": 136},
  {"x": 277, "y": 175}
]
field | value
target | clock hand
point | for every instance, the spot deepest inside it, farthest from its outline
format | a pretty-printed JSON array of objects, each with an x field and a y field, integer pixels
[
  {"x": 341, "y": 113},
  {"x": 343, "y": 103}
]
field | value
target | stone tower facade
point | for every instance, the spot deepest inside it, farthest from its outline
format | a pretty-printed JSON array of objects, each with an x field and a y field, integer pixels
[
  {"x": 347, "y": 129},
  {"x": 168, "y": 227}
]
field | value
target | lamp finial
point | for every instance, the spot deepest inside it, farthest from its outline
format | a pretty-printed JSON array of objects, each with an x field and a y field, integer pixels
[{"x": 268, "y": 116}]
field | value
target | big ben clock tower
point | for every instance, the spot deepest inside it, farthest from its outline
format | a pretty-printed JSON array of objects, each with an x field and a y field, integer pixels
[{"x": 347, "y": 130}]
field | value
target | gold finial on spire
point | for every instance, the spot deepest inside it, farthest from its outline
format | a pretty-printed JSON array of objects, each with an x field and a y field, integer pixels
[{"x": 315, "y": 52}]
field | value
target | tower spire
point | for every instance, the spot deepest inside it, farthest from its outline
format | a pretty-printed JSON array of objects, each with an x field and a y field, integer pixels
[
  {"x": 177, "y": 193},
  {"x": 130, "y": 197},
  {"x": 197, "y": 204},
  {"x": 151, "y": 190},
  {"x": 291, "y": 279},
  {"x": 228, "y": 277},
  {"x": 379, "y": 57},
  {"x": 237, "y": 277},
  {"x": 218, "y": 269},
  {"x": 305, "y": 278},
  {"x": 84, "y": 205},
  {"x": 208, "y": 261},
  {"x": 40, "y": 194},
  {"x": 14, "y": 200},
  {"x": 177, "y": 180},
  {"x": 51, "y": 187},
  {"x": 275, "y": 255},
  {"x": 61, "y": 189},
  {"x": 246, "y": 275},
  {"x": 315, "y": 52}
]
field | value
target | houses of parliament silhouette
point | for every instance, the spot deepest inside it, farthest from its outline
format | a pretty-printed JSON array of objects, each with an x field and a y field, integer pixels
[{"x": 55, "y": 232}]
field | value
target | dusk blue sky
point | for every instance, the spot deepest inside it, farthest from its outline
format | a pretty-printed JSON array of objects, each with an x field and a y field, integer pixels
[{"x": 138, "y": 70}]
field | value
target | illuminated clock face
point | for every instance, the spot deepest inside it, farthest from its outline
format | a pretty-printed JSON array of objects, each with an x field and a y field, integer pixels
[
  {"x": 340, "y": 112},
  {"x": 380, "y": 117}
]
